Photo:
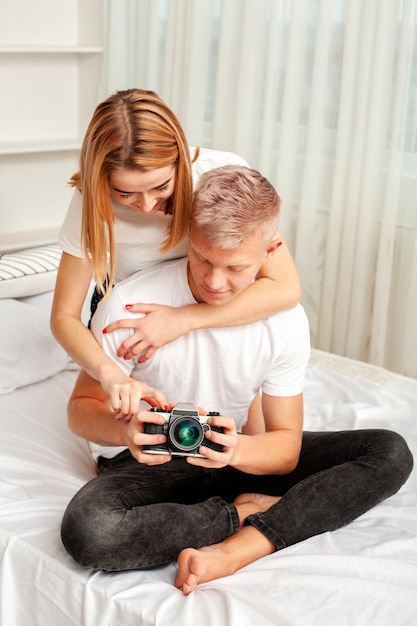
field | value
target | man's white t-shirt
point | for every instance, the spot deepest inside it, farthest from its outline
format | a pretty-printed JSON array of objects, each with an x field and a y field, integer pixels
[
  {"x": 219, "y": 369},
  {"x": 139, "y": 237}
]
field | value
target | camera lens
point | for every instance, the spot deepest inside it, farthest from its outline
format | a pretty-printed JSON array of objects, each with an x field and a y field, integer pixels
[{"x": 186, "y": 433}]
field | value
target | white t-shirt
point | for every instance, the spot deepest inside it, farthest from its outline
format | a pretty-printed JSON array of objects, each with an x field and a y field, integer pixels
[
  {"x": 138, "y": 237},
  {"x": 219, "y": 369}
]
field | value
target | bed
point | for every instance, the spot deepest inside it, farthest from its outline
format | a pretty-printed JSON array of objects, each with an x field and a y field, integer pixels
[{"x": 363, "y": 574}]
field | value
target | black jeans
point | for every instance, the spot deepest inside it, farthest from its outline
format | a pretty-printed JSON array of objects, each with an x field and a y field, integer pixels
[{"x": 132, "y": 516}]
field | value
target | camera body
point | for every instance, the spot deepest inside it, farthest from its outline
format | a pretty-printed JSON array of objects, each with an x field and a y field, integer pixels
[{"x": 184, "y": 429}]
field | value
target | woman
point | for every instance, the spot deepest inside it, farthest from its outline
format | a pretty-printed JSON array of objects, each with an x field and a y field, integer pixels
[{"x": 131, "y": 209}]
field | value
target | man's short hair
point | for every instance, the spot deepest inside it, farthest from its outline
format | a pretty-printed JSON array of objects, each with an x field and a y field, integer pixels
[{"x": 234, "y": 202}]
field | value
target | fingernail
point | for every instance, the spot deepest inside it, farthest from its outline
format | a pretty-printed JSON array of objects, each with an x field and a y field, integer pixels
[
  {"x": 166, "y": 407},
  {"x": 104, "y": 331},
  {"x": 128, "y": 306}
]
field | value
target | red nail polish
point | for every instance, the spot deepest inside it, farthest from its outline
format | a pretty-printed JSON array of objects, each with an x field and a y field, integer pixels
[
  {"x": 128, "y": 306},
  {"x": 104, "y": 331}
]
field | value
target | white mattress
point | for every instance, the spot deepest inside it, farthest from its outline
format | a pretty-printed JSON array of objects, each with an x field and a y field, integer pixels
[{"x": 363, "y": 574}]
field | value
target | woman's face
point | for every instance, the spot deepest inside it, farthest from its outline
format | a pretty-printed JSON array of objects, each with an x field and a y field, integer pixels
[{"x": 145, "y": 191}]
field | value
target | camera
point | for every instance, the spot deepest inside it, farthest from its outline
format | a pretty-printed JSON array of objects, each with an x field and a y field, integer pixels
[{"x": 184, "y": 429}]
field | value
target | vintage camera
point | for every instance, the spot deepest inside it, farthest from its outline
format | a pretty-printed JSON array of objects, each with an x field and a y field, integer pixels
[{"x": 184, "y": 429}]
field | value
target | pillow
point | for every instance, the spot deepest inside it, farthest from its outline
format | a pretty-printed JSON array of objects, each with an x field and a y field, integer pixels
[
  {"x": 29, "y": 353},
  {"x": 29, "y": 272}
]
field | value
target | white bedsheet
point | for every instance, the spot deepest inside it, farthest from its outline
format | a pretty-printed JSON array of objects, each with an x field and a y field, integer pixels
[{"x": 364, "y": 574}]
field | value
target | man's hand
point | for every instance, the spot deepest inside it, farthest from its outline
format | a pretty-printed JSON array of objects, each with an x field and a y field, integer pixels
[
  {"x": 160, "y": 325},
  {"x": 136, "y": 438},
  {"x": 227, "y": 438}
]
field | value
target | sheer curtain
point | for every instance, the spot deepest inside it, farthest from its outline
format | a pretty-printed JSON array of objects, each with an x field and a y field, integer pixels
[{"x": 321, "y": 96}]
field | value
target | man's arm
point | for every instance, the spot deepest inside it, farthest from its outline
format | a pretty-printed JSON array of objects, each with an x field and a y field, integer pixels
[
  {"x": 255, "y": 424},
  {"x": 90, "y": 417},
  {"x": 278, "y": 449},
  {"x": 275, "y": 451}
]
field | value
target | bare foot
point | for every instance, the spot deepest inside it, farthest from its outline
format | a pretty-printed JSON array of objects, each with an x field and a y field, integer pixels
[
  {"x": 225, "y": 558},
  {"x": 248, "y": 503},
  {"x": 221, "y": 559},
  {"x": 200, "y": 566}
]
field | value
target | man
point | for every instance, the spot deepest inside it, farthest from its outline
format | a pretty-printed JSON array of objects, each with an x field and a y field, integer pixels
[{"x": 266, "y": 487}]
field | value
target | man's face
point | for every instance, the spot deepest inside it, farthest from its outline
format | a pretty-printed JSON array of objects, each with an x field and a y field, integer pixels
[{"x": 217, "y": 275}]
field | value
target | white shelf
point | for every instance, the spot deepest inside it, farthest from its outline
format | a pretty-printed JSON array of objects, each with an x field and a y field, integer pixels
[
  {"x": 51, "y": 49},
  {"x": 51, "y": 57},
  {"x": 58, "y": 145}
]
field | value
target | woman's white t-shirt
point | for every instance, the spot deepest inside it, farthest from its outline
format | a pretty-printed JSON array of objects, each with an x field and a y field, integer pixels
[{"x": 138, "y": 237}]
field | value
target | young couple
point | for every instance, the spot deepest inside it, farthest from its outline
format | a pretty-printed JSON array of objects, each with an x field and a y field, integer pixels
[{"x": 270, "y": 484}]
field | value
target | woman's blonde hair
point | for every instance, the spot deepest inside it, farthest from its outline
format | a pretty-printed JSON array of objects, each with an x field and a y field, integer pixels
[{"x": 130, "y": 129}]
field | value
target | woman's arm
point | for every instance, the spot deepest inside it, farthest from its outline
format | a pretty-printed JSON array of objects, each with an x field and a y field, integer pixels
[
  {"x": 277, "y": 288},
  {"x": 72, "y": 284}
]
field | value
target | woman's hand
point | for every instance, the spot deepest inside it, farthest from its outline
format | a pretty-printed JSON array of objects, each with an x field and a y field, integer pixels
[
  {"x": 126, "y": 393},
  {"x": 160, "y": 325}
]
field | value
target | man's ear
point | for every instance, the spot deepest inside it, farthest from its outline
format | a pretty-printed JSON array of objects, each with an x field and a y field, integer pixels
[{"x": 273, "y": 247}]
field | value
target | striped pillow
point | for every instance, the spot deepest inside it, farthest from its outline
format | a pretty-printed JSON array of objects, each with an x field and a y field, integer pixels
[{"x": 29, "y": 272}]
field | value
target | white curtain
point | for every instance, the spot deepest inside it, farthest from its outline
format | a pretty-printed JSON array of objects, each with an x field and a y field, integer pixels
[{"x": 321, "y": 96}]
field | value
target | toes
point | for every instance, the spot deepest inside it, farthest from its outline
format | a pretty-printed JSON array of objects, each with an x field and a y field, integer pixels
[
  {"x": 190, "y": 570},
  {"x": 190, "y": 585},
  {"x": 187, "y": 589}
]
